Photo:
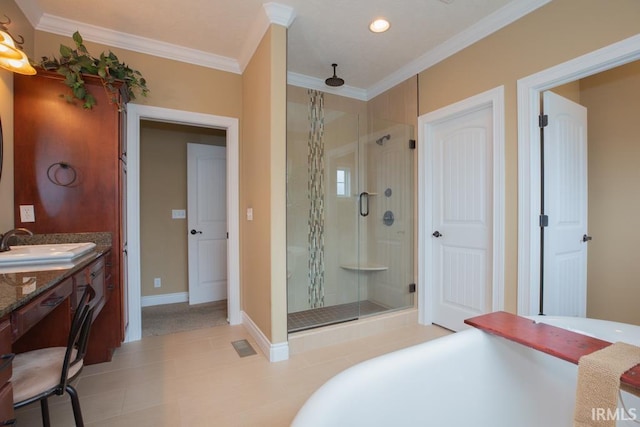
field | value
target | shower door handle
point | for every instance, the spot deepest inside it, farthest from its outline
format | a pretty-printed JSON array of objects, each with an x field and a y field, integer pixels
[{"x": 363, "y": 201}]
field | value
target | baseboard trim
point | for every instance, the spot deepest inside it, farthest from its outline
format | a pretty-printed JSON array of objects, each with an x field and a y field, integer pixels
[
  {"x": 274, "y": 352},
  {"x": 164, "y": 299}
]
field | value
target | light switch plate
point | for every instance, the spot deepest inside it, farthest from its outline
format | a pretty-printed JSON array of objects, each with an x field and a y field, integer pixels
[
  {"x": 178, "y": 214},
  {"x": 27, "y": 213},
  {"x": 249, "y": 214}
]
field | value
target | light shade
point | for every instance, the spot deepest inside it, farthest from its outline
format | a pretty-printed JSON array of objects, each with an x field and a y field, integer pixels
[
  {"x": 20, "y": 66},
  {"x": 8, "y": 48},
  {"x": 379, "y": 25}
]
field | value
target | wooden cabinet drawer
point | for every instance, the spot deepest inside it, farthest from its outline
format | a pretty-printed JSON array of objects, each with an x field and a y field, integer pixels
[
  {"x": 93, "y": 275},
  {"x": 25, "y": 317}
]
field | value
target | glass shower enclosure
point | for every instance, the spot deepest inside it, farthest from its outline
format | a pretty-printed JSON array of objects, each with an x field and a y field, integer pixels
[{"x": 350, "y": 213}]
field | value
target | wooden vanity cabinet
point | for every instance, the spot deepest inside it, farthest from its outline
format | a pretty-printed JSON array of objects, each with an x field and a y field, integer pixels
[
  {"x": 67, "y": 165},
  {"x": 6, "y": 391}
]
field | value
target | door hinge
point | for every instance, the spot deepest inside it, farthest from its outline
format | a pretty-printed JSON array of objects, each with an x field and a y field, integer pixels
[
  {"x": 543, "y": 120},
  {"x": 412, "y": 288},
  {"x": 412, "y": 144},
  {"x": 544, "y": 220},
  {"x": 227, "y": 234}
]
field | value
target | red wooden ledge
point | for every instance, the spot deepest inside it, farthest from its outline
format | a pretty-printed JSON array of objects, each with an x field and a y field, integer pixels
[{"x": 558, "y": 342}]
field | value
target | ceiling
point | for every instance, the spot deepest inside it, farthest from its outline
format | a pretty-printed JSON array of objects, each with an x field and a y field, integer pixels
[{"x": 223, "y": 34}]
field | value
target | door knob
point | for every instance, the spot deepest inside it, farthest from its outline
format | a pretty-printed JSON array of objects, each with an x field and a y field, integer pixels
[
  {"x": 586, "y": 238},
  {"x": 437, "y": 234},
  {"x": 196, "y": 232}
]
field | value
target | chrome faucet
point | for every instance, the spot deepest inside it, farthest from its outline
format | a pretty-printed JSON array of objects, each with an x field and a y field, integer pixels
[{"x": 4, "y": 238}]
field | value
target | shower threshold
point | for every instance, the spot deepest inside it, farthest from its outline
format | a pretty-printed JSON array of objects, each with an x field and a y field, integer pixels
[{"x": 324, "y": 316}]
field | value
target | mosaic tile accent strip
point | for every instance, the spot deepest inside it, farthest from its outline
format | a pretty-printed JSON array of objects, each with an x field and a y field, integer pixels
[
  {"x": 316, "y": 193},
  {"x": 307, "y": 319}
]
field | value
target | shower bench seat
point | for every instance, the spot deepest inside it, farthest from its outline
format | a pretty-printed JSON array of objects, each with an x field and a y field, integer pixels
[{"x": 364, "y": 267}]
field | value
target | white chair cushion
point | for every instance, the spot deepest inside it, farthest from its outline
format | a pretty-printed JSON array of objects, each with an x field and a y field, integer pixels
[{"x": 37, "y": 371}]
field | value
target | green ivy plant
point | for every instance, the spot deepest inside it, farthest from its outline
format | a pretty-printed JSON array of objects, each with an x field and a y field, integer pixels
[{"x": 74, "y": 63}]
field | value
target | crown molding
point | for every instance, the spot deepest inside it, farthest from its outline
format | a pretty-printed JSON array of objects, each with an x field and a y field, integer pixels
[
  {"x": 504, "y": 16},
  {"x": 275, "y": 13},
  {"x": 280, "y": 14},
  {"x": 307, "y": 82},
  {"x": 66, "y": 27}
]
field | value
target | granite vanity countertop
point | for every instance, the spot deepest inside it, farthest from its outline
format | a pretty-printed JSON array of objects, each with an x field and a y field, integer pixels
[{"x": 18, "y": 288}]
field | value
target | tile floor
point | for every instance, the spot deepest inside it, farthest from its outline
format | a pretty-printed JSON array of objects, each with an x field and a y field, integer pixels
[
  {"x": 301, "y": 320},
  {"x": 196, "y": 378}
]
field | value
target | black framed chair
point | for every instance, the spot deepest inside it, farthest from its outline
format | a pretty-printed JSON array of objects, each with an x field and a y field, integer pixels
[{"x": 45, "y": 372}]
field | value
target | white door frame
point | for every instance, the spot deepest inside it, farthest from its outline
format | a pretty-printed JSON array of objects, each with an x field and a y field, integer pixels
[
  {"x": 136, "y": 113},
  {"x": 495, "y": 99},
  {"x": 529, "y": 89}
]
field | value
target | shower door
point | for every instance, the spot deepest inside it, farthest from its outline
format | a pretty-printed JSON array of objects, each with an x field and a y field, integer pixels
[
  {"x": 349, "y": 215},
  {"x": 386, "y": 220}
]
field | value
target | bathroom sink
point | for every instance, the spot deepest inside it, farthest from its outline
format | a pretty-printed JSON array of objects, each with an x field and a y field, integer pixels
[{"x": 57, "y": 253}]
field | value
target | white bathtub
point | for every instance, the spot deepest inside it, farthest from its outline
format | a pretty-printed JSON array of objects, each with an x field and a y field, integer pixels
[{"x": 469, "y": 378}]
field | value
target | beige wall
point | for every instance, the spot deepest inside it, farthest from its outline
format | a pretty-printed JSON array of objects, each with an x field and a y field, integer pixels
[
  {"x": 570, "y": 91},
  {"x": 278, "y": 109},
  {"x": 613, "y": 103},
  {"x": 557, "y": 32},
  {"x": 172, "y": 84},
  {"x": 163, "y": 187},
  {"x": 263, "y": 240}
]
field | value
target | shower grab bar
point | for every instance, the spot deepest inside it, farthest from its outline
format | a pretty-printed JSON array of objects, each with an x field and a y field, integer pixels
[{"x": 363, "y": 196}]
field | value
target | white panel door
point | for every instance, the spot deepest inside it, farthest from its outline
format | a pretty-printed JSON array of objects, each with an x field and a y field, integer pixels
[
  {"x": 565, "y": 203},
  {"x": 207, "y": 222},
  {"x": 462, "y": 218}
]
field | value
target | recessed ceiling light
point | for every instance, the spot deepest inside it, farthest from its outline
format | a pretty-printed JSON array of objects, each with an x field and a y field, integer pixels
[{"x": 379, "y": 25}]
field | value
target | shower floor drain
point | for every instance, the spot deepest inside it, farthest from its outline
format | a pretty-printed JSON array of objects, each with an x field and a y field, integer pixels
[{"x": 243, "y": 348}]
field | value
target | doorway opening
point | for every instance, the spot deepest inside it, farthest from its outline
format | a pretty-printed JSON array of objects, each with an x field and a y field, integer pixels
[
  {"x": 136, "y": 114},
  {"x": 168, "y": 210},
  {"x": 529, "y": 155}
]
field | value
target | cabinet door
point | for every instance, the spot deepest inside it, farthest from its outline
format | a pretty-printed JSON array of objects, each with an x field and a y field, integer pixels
[
  {"x": 94, "y": 276},
  {"x": 67, "y": 165},
  {"x": 66, "y": 161},
  {"x": 6, "y": 392}
]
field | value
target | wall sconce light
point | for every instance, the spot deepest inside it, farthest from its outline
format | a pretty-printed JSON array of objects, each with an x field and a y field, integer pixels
[{"x": 12, "y": 58}]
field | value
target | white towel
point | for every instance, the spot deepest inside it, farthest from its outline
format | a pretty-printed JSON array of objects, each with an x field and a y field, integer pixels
[{"x": 599, "y": 384}]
